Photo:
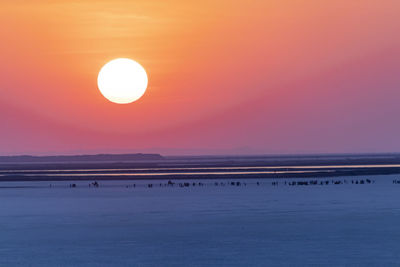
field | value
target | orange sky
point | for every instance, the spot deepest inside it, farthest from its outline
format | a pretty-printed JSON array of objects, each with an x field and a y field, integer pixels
[{"x": 224, "y": 76}]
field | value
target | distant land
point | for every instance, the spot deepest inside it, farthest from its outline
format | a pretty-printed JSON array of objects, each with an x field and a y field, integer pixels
[
  {"x": 154, "y": 166},
  {"x": 80, "y": 158}
]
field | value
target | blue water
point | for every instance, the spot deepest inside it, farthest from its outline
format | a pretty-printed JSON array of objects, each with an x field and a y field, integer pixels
[{"x": 340, "y": 225}]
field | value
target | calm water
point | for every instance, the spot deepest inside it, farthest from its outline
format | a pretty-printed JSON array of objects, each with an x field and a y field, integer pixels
[
  {"x": 341, "y": 225},
  {"x": 210, "y": 168}
]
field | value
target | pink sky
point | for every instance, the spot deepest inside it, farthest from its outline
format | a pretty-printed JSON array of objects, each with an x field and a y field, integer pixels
[{"x": 225, "y": 77}]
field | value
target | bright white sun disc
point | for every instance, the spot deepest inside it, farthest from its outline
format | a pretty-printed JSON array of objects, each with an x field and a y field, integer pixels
[{"x": 122, "y": 81}]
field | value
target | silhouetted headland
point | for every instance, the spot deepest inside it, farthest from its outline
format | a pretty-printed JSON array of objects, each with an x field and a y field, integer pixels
[{"x": 80, "y": 158}]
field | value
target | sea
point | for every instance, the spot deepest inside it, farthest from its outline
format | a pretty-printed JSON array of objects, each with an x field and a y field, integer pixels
[{"x": 202, "y": 222}]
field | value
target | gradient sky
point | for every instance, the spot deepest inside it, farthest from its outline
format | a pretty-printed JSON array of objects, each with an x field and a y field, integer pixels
[{"x": 225, "y": 77}]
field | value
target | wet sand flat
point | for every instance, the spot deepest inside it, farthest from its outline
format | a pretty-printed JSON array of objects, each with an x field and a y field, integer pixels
[{"x": 252, "y": 225}]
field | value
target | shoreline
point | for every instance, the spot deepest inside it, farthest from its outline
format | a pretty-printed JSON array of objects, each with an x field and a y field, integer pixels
[{"x": 199, "y": 176}]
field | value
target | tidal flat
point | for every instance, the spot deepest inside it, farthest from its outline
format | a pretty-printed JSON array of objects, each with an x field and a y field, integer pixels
[{"x": 258, "y": 223}]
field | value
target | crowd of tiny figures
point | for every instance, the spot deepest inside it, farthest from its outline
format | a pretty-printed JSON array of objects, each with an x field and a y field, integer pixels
[{"x": 320, "y": 182}]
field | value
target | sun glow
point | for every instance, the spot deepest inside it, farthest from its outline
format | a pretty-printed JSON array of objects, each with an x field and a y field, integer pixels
[{"x": 122, "y": 81}]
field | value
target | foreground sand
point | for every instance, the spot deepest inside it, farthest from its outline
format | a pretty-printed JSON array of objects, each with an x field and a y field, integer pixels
[{"x": 252, "y": 225}]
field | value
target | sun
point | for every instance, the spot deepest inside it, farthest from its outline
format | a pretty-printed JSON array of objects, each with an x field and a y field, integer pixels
[{"x": 122, "y": 81}]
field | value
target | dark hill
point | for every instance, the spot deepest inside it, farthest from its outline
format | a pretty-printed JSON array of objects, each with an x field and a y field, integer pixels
[{"x": 80, "y": 158}]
